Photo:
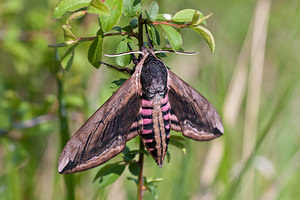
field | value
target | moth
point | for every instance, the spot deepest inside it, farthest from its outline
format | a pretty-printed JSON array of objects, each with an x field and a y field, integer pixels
[{"x": 150, "y": 103}]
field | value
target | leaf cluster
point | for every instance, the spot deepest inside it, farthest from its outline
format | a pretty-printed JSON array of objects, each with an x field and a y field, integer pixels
[{"x": 163, "y": 29}]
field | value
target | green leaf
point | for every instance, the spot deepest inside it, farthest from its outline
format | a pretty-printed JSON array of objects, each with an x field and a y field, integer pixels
[
  {"x": 133, "y": 179},
  {"x": 168, "y": 156},
  {"x": 164, "y": 17},
  {"x": 68, "y": 57},
  {"x": 154, "y": 35},
  {"x": 123, "y": 47},
  {"x": 109, "y": 174},
  {"x": 150, "y": 185},
  {"x": 132, "y": 8},
  {"x": 200, "y": 20},
  {"x": 108, "y": 22},
  {"x": 173, "y": 36},
  {"x": 186, "y": 15},
  {"x": 114, "y": 86},
  {"x": 68, "y": 33},
  {"x": 206, "y": 34},
  {"x": 177, "y": 143},
  {"x": 134, "y": 169},
  {"x": 75, "y": 15},
  {"x": 153, "y": 11},
  {"x": 177, "y": 137},
  {"x": 69, "y": 5},
  {"x": 95, "y": 51},
  {"x": 98, "y": 7}
]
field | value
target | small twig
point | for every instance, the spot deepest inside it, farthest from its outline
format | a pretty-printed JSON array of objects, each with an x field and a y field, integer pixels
[
  {"x": 126, "y": 70},
  {"x": 169, "y": 24}
]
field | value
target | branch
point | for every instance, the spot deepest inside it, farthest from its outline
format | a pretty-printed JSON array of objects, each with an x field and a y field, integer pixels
[{"x": 169, "y": 24}]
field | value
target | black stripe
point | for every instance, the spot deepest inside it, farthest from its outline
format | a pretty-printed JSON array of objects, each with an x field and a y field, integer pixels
[
  {"x": 148, "y": 126},
  {"x": 166, "y": 122},
  {"x": 164, "y": 104},
  {"x": 167, "y": 141},
  {"x": 174, "y": 122},
  {"x": 166, "y": 112},
  {"x": 154, "y": 153},
  {"x": 147, "y": 136},
  {"x": 151, "y": 144},
  {"x": 133, "y": 129},
  {"x": 147, "y": 107},
  {"x": 147, "y": 116}
]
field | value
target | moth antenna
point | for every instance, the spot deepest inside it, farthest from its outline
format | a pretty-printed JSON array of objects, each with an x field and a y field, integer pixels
[
  {"x": 133, "y": 57},
  {"x": 148, "y": 38},
  {"x": 124, "y": 53},
  {"x": 177, "y": 52},
  {"x": 126, "y": 70}
]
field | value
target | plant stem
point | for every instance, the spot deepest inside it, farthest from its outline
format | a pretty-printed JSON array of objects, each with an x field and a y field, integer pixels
[
  {"x": 141, "y": 155},
  {"x": 169, "y": 24},
  {"x": 63, "y": 122},
  {"x": 141, "y": 164}
]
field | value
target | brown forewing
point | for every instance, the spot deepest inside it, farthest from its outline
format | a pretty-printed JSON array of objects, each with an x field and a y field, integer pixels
[
  {"x": 197, "y": 118},
  {"x": 105, "y": 133}
]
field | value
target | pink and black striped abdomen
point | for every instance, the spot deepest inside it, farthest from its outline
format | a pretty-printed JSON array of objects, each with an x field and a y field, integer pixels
[{"x": 156, "y": 126}]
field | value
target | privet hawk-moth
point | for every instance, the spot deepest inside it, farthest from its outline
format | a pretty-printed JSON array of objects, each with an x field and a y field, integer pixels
[{"x": 150, "y": 103}]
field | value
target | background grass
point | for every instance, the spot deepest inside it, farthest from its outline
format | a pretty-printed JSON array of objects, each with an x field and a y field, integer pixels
[{"x": 253, "y": 83}]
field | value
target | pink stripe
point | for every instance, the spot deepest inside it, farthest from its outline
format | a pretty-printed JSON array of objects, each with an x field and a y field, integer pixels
[
  {"x": 147, "y": 131},
  {"x": 146, "y": 111},
  {"x": 148, "y": 141},
  {"x": 146, "y": 103},
  {"x": 147, "y": 121},
  {"x": 168, "y": 136},
  {"x": 164, "y": 100},
  {"x": 168, "y": 126},
  {"x": 165, "y": 108},
  {"x": 151, "y": 149},
  {"x": 166, "y": 117}
]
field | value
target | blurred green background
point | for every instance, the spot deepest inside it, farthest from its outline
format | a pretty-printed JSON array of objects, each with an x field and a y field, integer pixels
[{"x": 252, "y": 79}]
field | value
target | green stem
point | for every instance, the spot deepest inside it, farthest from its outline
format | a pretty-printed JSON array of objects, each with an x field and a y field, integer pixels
[{"x": 63, "y": 122}]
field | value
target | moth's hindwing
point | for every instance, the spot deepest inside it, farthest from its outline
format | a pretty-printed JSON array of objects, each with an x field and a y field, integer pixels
[
  {"x": 105, "y": 133},
  {"x": 191, "y": 113}
]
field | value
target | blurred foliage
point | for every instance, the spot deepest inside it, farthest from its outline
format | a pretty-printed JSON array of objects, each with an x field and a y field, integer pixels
[{"x": 29, "y": 142}]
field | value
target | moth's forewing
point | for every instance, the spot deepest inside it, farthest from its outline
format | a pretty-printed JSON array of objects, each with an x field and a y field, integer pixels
[
  {"x": 105, "y": 133},
  {"x": 197, "y": 118}
]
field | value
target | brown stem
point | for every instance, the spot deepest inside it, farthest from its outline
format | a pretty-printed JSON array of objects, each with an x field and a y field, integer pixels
[
  {"x": 169, "y": 24},
  {"x": 140, "y": 30},
  {"x": 141, "y": 179}
]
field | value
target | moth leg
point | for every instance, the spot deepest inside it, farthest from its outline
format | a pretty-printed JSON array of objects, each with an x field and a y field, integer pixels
[
  {"x": 135, "y": 60},
  {"x": 126, "y": 70}
]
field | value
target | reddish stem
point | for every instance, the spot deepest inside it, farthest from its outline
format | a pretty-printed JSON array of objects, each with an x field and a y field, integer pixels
[{"x": 169, "y": 24}]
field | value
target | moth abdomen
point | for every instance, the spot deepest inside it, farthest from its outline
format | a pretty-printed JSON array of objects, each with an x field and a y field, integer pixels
[{"x": 156, "y": 126}]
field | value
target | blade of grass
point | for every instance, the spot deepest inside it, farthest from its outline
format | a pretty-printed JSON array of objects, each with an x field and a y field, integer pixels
[
  {"x": 261, "y": 21},
  {"x": 230, "y": 192},
  {"x": 63, "y": 123}
]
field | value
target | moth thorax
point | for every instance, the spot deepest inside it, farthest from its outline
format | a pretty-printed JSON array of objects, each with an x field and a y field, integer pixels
[{"x": 153, "y": 77}]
